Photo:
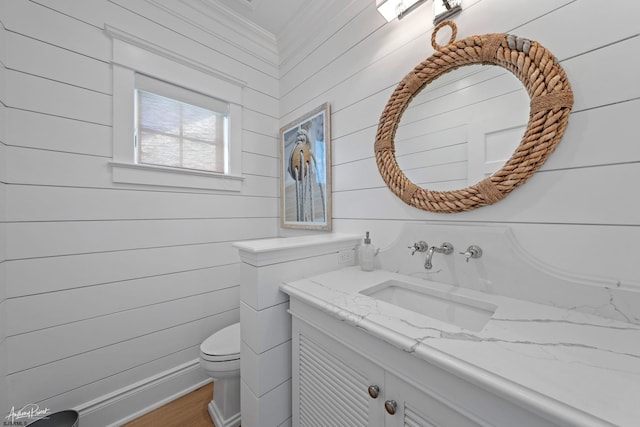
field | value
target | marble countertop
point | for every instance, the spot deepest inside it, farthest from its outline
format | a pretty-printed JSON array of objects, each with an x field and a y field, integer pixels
[{"x": 581, "y": 368}]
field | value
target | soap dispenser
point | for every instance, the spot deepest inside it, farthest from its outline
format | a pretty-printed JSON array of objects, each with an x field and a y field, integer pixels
[{"x": 367, "y": 254}]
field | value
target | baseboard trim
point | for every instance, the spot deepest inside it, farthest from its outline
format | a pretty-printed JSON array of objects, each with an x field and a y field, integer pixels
[{"x": 130, "y": 402}]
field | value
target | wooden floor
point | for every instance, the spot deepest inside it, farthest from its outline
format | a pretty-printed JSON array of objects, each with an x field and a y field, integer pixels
[{"x": 189, "y": 410}]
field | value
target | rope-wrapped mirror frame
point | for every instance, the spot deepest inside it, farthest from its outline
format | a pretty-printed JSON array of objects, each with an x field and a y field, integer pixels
[{"x": 551, "y": 100}]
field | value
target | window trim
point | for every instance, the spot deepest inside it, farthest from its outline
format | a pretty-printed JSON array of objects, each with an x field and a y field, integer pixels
[{"x": 131, "y": 56}]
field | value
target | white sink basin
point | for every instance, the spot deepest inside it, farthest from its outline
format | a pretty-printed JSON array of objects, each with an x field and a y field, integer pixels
[{"x": 457, "y": 310}]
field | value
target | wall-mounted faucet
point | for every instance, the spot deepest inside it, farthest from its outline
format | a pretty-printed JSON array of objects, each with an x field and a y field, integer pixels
[{"x": 446, "y": 248}]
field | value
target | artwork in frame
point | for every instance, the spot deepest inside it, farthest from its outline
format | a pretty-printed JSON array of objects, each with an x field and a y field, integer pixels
[{"x": 305, "y": 171}]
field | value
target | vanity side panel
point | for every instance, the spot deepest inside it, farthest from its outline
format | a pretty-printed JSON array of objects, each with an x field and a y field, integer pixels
[{"x": 264, "y": 318}]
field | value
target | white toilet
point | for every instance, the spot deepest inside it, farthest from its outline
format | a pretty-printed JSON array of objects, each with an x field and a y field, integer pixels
[{"x": 220, "y": 358}]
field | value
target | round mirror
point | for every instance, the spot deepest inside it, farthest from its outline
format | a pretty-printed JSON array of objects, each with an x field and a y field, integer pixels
[{"x": 550, "y": 102}]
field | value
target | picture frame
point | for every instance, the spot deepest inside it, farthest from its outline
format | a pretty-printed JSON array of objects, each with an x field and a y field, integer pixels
[{"x": 305, "y": 171}]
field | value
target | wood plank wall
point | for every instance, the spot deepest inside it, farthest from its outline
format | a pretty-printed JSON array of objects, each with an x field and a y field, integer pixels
[
  {"x": 579, "y": 213},
  {"x": 4, "y": 393},
  {"x": 107, "y": 285},
  {"x": 103, "y": 285}
]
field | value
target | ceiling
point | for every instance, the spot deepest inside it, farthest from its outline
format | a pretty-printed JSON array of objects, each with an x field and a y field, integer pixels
[{"x": 271, "y": 15}]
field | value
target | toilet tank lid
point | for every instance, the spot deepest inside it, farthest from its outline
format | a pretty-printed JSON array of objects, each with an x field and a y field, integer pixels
[{"x": 224, "y": 342}]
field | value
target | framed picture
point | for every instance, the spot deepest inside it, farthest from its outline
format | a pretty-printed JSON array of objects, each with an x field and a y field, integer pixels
[{"x": 305, "y": 171}]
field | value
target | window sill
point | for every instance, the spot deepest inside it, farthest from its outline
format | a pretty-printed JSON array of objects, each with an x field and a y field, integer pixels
[{"x": 131, "y": 173}]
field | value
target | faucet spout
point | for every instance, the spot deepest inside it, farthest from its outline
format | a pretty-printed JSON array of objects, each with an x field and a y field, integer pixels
[
  {"x": 427, "y": 261},
  {"x": 446, "y": 248}
]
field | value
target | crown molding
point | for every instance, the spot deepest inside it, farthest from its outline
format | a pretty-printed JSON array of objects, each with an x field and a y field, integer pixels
[{"x": 222, "y": 16}]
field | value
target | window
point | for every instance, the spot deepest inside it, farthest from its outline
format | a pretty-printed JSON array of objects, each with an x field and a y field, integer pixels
[
  {"x": 172, "y": 131},
  {"x": 165, "y": 105}
]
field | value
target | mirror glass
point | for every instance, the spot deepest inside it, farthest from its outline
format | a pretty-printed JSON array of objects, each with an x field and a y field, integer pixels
[{"x": 462, "y": 127}]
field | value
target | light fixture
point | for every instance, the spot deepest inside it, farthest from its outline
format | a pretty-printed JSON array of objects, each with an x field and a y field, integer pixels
[
  {"x": 443, "y": 9},
  {"x": 391, "y": 9}
]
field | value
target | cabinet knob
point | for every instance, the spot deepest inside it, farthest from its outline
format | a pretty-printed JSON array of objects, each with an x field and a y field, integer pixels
[
  {"x": 390, "y": 406},
  {"x": 374, "y": 391}
]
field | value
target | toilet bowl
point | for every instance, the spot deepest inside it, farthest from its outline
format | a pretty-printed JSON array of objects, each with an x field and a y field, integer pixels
[{"x": 220, "y": 358}]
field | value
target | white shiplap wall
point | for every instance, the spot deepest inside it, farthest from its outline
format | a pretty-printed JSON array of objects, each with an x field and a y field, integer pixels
[
  {"x": 4, "y": 399},
  {"x": 579, "y": 212},
  {"x": 104, "y": 285},
  {"x": 109, "y": 285}
]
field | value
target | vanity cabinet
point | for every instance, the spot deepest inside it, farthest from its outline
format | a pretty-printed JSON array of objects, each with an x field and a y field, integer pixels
[
  {"x": 343, "y": 376},
  {"x": 414, "y": 407},
  {"x": 340, "y": 387},
  {"x": 333, "y": 383}
]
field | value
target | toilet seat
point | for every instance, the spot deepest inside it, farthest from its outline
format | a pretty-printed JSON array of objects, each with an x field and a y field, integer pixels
[{"x": 222, "y": 346}]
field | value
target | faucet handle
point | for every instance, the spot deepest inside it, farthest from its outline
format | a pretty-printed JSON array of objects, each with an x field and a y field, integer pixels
[
  {"x": 472, "y": 251},
  {"x": 420, "y": 246}
]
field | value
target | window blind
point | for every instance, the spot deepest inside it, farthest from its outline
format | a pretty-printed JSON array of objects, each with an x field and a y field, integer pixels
[{"x": 180, "y": 128}]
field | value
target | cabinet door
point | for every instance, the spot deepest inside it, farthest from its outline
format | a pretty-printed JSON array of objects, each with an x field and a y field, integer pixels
[
  {"x": 416, "y": 408},
  {"x": 331, "y": 383}
]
